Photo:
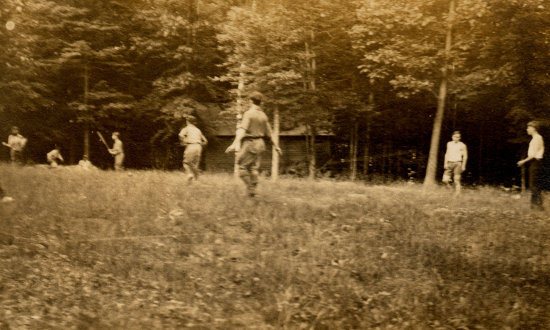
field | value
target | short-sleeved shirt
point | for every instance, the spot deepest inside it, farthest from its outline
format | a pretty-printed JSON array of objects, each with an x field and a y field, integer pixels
[
  {"x": 16, "y": 142},
  {"x": 117, "y": 148},
  {"x": 255, "y": 123},
  {"x": 455, "y": 151},
  {"x": 190, "y": 134},
  {"x": 536, "y": 147},
  {"x": 53, "y": 155}
]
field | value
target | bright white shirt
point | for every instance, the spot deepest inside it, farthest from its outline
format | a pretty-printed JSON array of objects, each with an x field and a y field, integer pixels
[
  {"x": 190, "y": 134},
  {"x": 16, "y": 142},
  {"x": 54, "y": 155},
  {"x": 536, "y": 147},
  {"x": 455, "y": 151}
]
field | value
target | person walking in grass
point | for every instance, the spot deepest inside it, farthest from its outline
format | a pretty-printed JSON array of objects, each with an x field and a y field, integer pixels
[
  {"x": 192, "y": 138},
  {"x": 117, "y": 151},
  {"x": 16, "y": 143},
  {"x": 455, "y": 161},
  {"x": 54, "y": 156},
  {"x": 535, "y": 154},
  {"x": 249, "y": 143}
]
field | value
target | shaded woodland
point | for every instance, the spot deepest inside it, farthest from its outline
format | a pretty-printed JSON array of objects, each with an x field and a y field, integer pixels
[{"x": 390, "y": 78}]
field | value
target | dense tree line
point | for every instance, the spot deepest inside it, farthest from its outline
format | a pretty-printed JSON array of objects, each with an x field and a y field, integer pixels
[{"x": 390, "y": 78}]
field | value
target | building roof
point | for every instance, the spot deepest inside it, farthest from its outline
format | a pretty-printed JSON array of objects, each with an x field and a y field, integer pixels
[{"x": 229, "y": 130}]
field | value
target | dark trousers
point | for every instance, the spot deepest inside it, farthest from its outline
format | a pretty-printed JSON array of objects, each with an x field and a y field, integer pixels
[
  {"x": 535, "y": 184},
  {"x": 249, "y": 159}
]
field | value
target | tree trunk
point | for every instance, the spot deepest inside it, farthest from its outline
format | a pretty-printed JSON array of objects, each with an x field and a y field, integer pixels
[
  {"x": 431, "y": 169},
  {"x": 480, "y": 155},
  {"x": 366, "y": 151},
  {"x": 275, "y": 154},
  {"x": 309, "y": 83},
  {"x": 240, "y": 110},
  {"x": 87, "y": 120},
  {"x": 312, "y": 151},
  {"x": 353, "y": 151}
]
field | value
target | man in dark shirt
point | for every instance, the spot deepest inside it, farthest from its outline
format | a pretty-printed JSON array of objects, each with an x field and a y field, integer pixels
[{"x": 249, "y": 143}]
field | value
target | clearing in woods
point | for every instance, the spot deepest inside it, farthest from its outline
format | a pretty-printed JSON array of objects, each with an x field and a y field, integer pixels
[{"x": 145, "y": 249}]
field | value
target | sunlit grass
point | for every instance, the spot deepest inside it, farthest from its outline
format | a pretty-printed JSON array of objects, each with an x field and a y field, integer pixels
[{"x": 145, "y": 249}]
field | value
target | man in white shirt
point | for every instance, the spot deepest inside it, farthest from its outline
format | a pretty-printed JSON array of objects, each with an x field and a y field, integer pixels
[
  {"x": 192, "y": 138},
  {"x": 535, "y": 153},
  {"x": 16, "y": 143},
  {"x": 117, "y": 151},
  {"x": 456, "y": 158}
]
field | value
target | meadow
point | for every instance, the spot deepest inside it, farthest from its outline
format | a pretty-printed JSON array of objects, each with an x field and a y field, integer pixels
[{"x": 147, "y": 250}]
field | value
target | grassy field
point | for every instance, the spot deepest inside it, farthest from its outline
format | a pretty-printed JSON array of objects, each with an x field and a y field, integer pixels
[{"x": 146, "y": 250}]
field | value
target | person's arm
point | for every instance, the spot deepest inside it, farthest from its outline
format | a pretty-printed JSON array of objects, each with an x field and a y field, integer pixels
[
  {"x": 236, "y": 145},
  {"x": 239, "y": 134},
  {"x": 272, "y": 137},
  {"x": 464, "y": 158},
  {"x": 117, "y": 148}
]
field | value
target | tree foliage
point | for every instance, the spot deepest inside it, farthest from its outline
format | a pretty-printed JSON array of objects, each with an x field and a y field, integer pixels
[{"x": 371, "y": 66}]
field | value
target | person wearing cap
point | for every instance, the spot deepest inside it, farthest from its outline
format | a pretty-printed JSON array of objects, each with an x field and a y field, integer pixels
[
  {"x": 535, "y": 153},
  {"x": 117, "y": 152},
  {"x": 16, "y": 143},
  {"x": 249, "y": 142},
  {"x": 455, "y": 161},
  {"x": 192, "y": 138}
]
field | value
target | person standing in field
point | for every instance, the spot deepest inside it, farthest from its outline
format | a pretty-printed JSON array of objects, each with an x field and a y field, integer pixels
[
  {"x": 117, "y": 151},
  {"x": 535, "y": 153},
  {"x": 54, "y": 156},
  {"x": 193, "y": 140},
  {"x": 16, "y": 143},
  {"x": 249, "y": 143},
  {"x": 455, "y": 161}
]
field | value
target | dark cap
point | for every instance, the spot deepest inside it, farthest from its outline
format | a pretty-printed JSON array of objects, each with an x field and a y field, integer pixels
[{"x": 256, "y": 97}]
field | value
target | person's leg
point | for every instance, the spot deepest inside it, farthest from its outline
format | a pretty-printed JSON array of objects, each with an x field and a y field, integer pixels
[
  {"x": 196, "y": 161},
  {"x": 534, "y": 184},
  {"x": 254, "y": 174},
  {"x": 457, "y": 176},
  {"x": 447, "y": 176},
  {"x": 187, "y": 162},
  {"x": 246, "y": 160},
  {"x": 13, "y": 156}
]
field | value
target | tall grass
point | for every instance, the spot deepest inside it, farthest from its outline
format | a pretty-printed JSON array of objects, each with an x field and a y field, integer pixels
[{"x": 145, "y": 249}]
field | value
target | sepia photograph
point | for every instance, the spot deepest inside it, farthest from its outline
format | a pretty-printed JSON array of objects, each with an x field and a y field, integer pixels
[{"x": 275, "y": 164}]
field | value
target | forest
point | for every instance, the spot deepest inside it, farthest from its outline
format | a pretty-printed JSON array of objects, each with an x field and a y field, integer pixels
[{"x": 391, "y": 79}]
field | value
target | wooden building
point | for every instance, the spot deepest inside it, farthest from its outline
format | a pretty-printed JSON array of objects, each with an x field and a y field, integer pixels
[{"x": 292, "y": 142}]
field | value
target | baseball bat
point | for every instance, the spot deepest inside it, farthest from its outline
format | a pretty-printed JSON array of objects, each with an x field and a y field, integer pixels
[{"x": 103, "y": 140}]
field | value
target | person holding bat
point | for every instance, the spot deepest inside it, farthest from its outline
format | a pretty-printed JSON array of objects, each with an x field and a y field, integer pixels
[
  {"x": 117, "y": 151},
  {"x": 16, "y": 143}
]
